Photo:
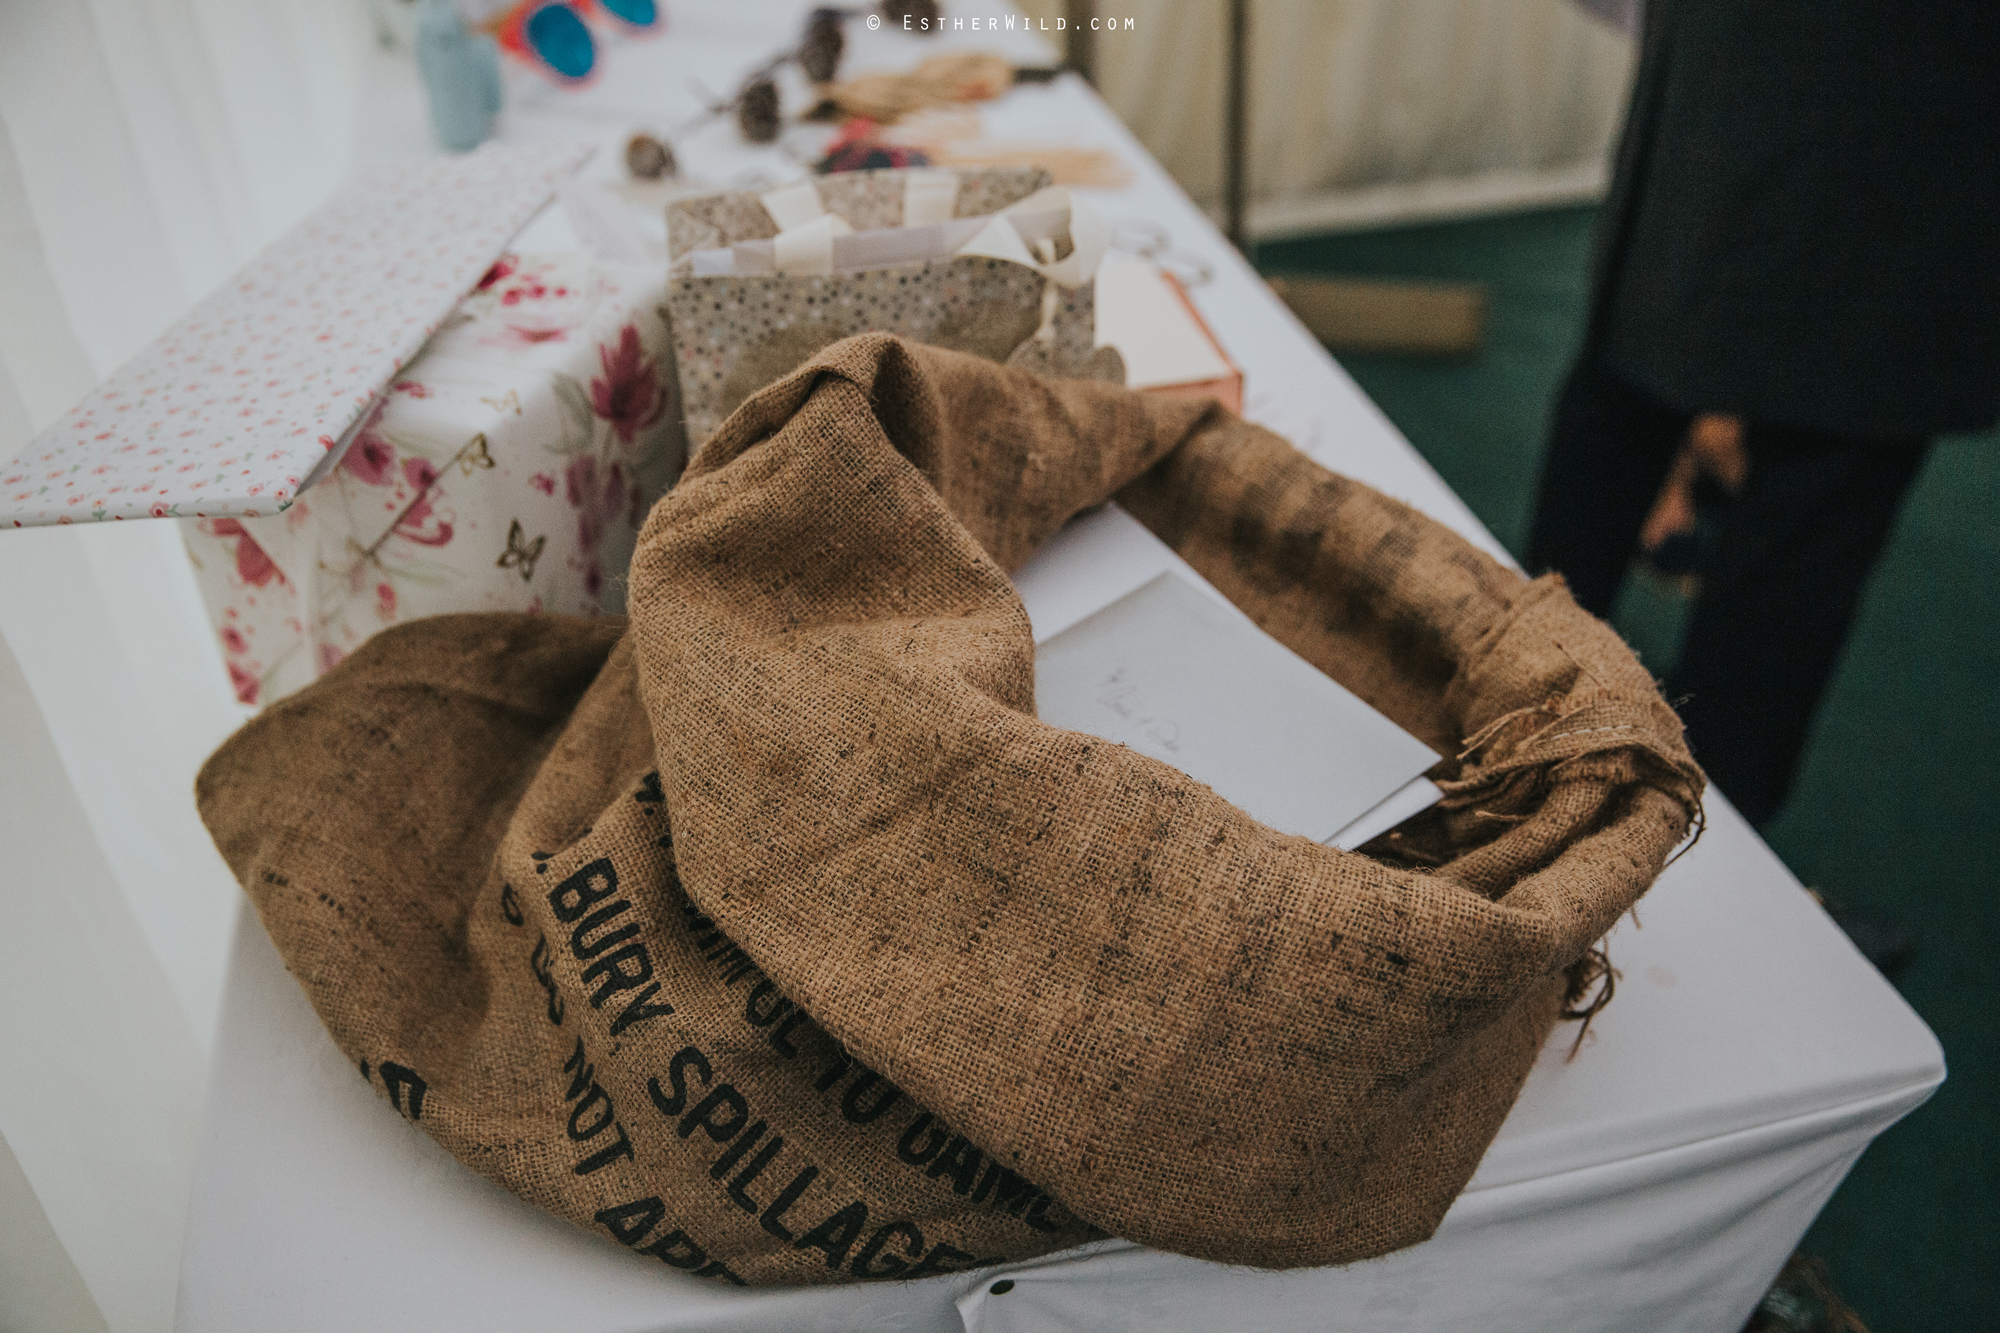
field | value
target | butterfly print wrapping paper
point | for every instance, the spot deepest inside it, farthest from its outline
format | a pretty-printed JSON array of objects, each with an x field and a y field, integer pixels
[
  {"x": 507, "y": 468},
  {"x": 225, "y": 415}
]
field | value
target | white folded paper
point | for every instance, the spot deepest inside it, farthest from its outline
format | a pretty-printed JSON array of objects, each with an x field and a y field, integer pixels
[
  {"x": 1194, "y": 683},
  {"x": 1139, "y": 314}
]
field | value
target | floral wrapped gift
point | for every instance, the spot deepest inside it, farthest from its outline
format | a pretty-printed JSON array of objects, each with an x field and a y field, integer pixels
[{"x": 507, "y": 467}]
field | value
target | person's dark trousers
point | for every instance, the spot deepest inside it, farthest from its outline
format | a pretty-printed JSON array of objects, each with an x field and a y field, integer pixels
[{"x": 1779, "y": 586}]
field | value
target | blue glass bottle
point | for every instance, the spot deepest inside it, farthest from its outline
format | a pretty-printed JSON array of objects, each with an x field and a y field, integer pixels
[{"x": 461, "y": 70}]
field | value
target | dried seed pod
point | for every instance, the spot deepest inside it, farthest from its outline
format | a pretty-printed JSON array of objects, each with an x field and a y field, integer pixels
[
  {"x": 648, "y": 158},
  {"x": 819, "y": 54},
  {"x": 921, "y": 15},
  {"x": 757, "y": 110}
]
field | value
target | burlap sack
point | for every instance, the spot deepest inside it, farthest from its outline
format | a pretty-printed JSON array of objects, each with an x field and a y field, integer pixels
[{"x": 774, "y": 937}]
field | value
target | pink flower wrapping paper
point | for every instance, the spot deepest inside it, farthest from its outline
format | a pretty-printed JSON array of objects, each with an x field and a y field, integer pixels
[
  {"x": 226, "y": 414},
  {"x": 508, "y": 467}
]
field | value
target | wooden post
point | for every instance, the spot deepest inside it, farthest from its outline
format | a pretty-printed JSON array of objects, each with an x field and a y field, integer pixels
[
  {"x": 1236, "y": 118},
  {"x": 1079, "y": 49}
]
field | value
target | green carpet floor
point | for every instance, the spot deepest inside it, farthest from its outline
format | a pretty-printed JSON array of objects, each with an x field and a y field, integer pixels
[{"x": 1895, "y": 810}]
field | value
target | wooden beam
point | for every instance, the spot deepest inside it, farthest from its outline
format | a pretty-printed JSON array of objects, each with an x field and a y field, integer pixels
[
  {"x": 1236, "y": 120},
  {"x": 1443, "y": 319},
  {"x": 1079, "y": 48}
]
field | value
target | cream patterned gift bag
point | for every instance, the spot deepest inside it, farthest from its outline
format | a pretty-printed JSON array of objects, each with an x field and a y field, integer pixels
[{"x": 995, "y": 262}]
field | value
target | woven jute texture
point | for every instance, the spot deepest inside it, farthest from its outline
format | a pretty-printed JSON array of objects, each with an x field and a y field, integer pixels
[{"x": 771, "y": 934}]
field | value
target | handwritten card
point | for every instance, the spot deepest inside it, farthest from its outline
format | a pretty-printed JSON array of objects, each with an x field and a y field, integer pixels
[{"x": 1171, "y": 673}]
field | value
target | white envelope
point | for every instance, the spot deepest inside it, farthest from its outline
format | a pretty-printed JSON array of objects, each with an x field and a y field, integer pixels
[{"x": 1168, "y": 672}]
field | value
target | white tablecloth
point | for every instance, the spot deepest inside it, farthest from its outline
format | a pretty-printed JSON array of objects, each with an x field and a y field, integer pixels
[{"x": 1655, "y": 1181}]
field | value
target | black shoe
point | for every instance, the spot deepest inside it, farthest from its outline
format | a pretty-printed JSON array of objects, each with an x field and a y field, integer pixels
[
  {"x": 1672, "y": 569},
  {"x": 1679, "y": 556},
  {"x": 1676, "y": 562},
  {"x": 1803, "y": 1300},
  {"x": 1882, "y": 939}
]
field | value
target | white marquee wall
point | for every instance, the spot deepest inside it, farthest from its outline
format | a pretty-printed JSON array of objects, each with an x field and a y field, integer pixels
[
  {"x": 1372, "y": 111},
  {"x": 149, "y": 148}
]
